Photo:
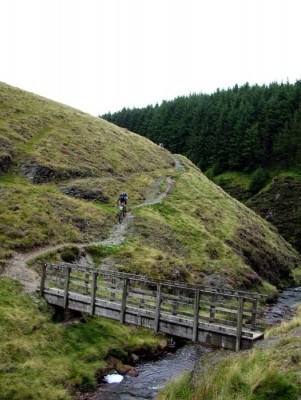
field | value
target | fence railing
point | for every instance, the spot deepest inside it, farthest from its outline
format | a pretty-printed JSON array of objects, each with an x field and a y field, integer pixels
[{"x": 161, "y": 305}]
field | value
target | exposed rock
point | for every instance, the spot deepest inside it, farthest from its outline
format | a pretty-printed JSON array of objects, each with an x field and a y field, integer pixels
[
  {"x": 5, "y": 162},
  {"x": 36, "y": 173},
  {"x": 87, "y": 194},
  {"x": 132, "y": 372}
]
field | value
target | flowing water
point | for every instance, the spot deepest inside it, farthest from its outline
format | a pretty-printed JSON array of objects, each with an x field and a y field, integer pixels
[
  {"x": 284, "y": 308},
  {"x": 154, "y": 375}
]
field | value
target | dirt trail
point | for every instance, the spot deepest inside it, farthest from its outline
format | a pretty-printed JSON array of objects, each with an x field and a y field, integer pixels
[{"x": 17, "y": 268}]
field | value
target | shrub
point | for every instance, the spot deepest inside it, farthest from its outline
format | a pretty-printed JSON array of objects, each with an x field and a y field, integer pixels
[
  {"x": 259, "y": 180},
  {"x": 69, "y": 255},
  {"x": 275, "y": 386}
]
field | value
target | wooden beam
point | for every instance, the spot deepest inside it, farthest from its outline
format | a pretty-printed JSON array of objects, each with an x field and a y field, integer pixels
[
  {"x": 93, "y": 294},
  {"x": 43, "y": 278},
  {"x": 239, "y": 323},
  {"x": 158, "y": 305},
  {"x": 112, "y": 288},
  {"x": 254, "y": 313},
  {"x": 66, "y": 288},
  {"x": 123, "y": 301},
  {"x": 196, "y": 315},
  {"x": 212, "y": 306},
  {"x": 87, "y": 277}
]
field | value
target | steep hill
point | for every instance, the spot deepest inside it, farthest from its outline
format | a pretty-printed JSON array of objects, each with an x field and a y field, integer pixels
[
  {"x": 278, "y": 201},
  {"x": 62, "y": 170},
  {"x": 51, "y": 144}
]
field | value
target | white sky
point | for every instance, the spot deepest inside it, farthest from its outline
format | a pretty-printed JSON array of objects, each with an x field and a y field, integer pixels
[{"x": 103, "y": 55}]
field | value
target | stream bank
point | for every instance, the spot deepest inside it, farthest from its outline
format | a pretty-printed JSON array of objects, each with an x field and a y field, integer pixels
[{"x": 154, "y": 375}]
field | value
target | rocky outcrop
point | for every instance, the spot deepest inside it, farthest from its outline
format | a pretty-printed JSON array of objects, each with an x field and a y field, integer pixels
[
  {"x": 84, "y": 193},
  {"x": 36, "y": 173}
]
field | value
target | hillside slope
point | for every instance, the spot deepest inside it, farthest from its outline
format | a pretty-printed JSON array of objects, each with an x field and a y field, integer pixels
[
  {"x": 62, "y": 170},
  {"x": 46, "y": 142},
  {"x": 278, "y": 201},
  {"x": 280, "y": 204}
]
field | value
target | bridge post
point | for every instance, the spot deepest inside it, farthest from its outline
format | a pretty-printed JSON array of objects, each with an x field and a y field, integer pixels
[
  {"x": 66, "y": 288},
  {"x": 123, "y": 301},
  {"x": 142, "y": 302},
  {"x": 93, "y": 292},
  {"x": 212, "y": 307},
  {"x": 254, "y": 313},
  {"x": 113, "y": 286},
  {"x": 43, "y": 278},
  {"x": 196, "y": 315},
  {"x": 239, "y": 322},
  {"x": 175, "y": 304},
  {"x": 86, "y": 289},
  {"x": 158, "y": 305}
]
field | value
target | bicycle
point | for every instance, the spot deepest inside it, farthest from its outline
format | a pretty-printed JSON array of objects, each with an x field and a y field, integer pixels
[{"x": 122, "y": 213}]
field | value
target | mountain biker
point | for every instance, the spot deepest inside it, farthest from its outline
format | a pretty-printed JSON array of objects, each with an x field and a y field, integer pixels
[{"x": 122, "y": 200}]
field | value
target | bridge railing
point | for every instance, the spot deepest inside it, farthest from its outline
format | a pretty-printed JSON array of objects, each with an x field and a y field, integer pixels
[{"x": 233, "y": 310}]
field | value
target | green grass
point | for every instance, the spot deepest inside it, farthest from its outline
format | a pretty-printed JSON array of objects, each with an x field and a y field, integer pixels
[
  {"x": 177, "y": 389},
  {"x": 252, "y": 377},
  {"x": 267, "y": 372},
  {"x": 40, "y": 359},
  {"x": 32, "y": 216},
  {"x": 70, "y": 142},
  {"x": 285, "y": 327},
  {"x": 235, "y": 178}
]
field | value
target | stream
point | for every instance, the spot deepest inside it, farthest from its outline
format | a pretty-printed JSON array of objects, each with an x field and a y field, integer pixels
[
  {"x": 284, "y": 308},
  {"x": 154, "y": 375}
]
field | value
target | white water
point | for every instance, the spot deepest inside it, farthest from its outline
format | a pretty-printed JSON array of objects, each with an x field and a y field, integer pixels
[{"x": 113, "y": 378}]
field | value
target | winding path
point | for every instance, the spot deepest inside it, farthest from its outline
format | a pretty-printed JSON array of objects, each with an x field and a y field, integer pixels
[{"x": 17, "y": 268}]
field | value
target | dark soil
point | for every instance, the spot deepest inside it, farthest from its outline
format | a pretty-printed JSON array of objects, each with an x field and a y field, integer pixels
[{"x": 281, "y": 206}]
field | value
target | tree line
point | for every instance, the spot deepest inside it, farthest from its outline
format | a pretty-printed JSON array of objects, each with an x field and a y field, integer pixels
[{"x": 242, "y": 128}]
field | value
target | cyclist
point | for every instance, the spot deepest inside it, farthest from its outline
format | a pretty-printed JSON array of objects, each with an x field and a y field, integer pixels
[{"x": 122, "y": 200}]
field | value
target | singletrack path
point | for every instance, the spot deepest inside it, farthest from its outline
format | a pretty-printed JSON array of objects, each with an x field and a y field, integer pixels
[{"x": 17, "y": 268}]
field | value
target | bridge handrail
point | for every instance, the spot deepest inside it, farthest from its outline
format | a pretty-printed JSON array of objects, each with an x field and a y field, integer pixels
[
  {"x": 166, "y": 283},
  {"x": 122, "y": 290}
]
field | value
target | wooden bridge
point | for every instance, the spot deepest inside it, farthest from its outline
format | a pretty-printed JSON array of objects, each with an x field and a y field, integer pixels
[{"x": 223, "y": 318}]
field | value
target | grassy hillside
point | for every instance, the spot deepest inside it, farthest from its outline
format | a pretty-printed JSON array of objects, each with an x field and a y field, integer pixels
[
  {"x": 61, "y": 171},
  {"x": 62, "y": 148}
]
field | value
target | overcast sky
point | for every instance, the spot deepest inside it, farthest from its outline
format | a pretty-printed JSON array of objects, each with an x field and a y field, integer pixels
[{"x": 103, "y": 55}]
